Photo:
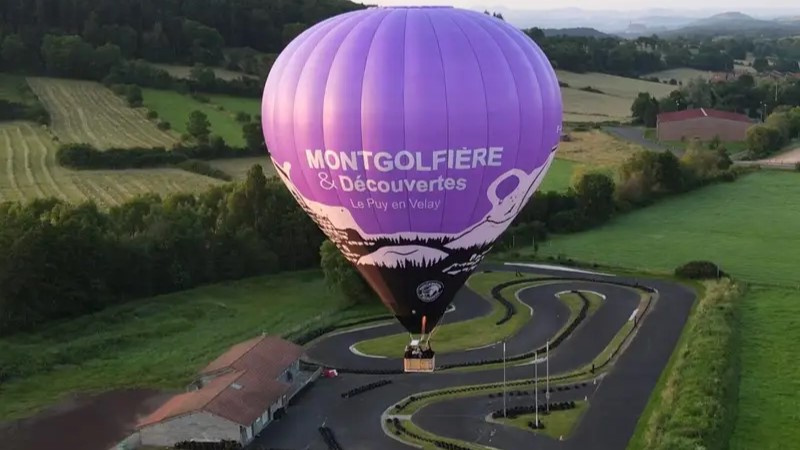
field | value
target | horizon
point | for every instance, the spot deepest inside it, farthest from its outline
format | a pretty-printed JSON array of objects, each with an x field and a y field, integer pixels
[{"x": 677, "y": 6}]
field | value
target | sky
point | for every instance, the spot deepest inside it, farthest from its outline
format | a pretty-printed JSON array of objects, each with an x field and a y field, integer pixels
[{"x": 725, "y": 5}]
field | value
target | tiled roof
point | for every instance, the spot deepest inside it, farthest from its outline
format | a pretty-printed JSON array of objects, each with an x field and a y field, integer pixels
[
  {"x": 245, "y": 387},
  {"x": 268, "y": 355},
  {"x": 702, "y": 112}
]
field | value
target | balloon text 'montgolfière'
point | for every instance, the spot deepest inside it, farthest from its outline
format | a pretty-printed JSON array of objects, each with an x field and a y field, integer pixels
[{"x": 457, "y": 159}]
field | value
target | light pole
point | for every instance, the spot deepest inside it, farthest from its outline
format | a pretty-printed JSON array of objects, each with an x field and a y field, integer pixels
[
  {"x": 504, "y": 379},
  {"x": 536, "y": 384},
  {"x": 547, "y": 375}
]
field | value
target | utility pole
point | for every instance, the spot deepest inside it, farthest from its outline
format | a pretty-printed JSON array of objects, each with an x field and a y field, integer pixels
[
  {"x": 547, "y": 375},
  {"x": 504, "y": 379},
  {"x": 536, "y": 384}
]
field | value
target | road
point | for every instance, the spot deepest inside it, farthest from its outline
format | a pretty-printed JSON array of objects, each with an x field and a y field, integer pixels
[{"x": 616, "y": 402}]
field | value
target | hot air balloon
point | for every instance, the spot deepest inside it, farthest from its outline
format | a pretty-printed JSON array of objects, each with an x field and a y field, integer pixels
[{"x": 413, "y": 136}]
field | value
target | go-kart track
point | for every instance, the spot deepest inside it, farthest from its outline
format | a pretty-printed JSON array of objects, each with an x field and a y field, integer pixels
[{"x": 617, "y": 393}]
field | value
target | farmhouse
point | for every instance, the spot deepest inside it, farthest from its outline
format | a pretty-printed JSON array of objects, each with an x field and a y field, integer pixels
[
  {"x": 236, "y": 396},
  {"x": 703, "y": 124}
]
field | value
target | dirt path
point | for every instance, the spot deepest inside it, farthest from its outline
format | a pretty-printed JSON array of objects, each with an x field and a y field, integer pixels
[
  {"x": 83, "y": 422},
  {"x": 790, "y": 157}
]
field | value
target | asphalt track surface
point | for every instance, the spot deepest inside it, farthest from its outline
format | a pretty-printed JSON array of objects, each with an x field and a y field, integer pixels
[{"x": 616, "y": 400}]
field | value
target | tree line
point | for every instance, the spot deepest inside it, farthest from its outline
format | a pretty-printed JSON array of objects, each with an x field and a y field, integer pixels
[
  {"x": 168, "y": 30},
  {"x": 780, "y": 128},
  {"x": 61, "y": 260},
  {"x": 742, "y": 95}
]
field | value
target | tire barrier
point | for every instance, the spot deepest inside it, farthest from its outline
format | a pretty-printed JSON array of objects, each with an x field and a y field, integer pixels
[
  {"x": 514, "y": 412},
  {"x": 329, "y": 438},
  {"x": 519, "y": 393},
  {"x": 367, "y": 387},
  {"x": 200, "y": 445},
  {"x": 400, "y": 430}
]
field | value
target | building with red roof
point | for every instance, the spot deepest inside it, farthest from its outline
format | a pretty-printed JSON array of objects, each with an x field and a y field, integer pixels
[
  {"x": 703, "y": 124},
  {"x": 237, "y": 395}
]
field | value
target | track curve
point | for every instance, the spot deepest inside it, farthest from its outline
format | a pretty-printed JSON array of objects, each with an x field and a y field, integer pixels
[{"x": 617, "y": 399}]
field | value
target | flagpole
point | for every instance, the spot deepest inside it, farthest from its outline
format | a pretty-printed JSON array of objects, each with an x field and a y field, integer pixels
[
  {"x": 547, "y": 376},
  {"x": 536, "y": 384}
]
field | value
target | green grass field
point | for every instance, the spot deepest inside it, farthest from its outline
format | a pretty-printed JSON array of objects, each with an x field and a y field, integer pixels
[
  {"x": 161, "y": 342},
  {"x": 748, "y": 227},
  {"x": 232, "y": 104},
  {"x": 559, "y": 176},
  {"x": 28, "y": 170},
  {"x": 556, "y": 424},
  {"x": 87, "y": 112},
  {"x": 175, "y": 108},
  {"x": 769, "y": 391}
]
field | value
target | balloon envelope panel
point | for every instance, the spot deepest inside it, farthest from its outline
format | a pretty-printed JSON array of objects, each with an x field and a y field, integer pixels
[{"x": 413, "y": 137}]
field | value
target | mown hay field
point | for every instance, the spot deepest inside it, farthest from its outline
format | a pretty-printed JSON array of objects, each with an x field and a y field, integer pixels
[
  {"x": 614, "y": 101},
  {"x": 28, "y": 170},
  {"x": 88, "y": 112}
]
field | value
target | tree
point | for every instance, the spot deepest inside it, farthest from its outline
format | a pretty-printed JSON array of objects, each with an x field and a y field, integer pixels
[
  {"x": 761, "y": 64},
  {"x": 198, "y": 126},
  {"x": 13, "y": 52},
  {"x": 133, "y": 95},
  {"x": 595, "y": 196},
  {"x": 640, "y": 107},
  {"x": 762, "y": 140},
  {"x": 203, "y": 76},
  {"x": 254, "y": 136},
  {"x": 342, "y": 276},
  {"x": 705, "y": 163}
]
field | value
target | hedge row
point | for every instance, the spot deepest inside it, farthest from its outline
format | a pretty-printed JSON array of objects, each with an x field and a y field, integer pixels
[
  {"x": 85, "y": 156},
  {"x": 367, "y": 387},
  {"x": 330, "y": 439},
  {"x": 400, "y": 429},
  {"x": 515, "y": 411},
  {"x": 700, "y": 270}
]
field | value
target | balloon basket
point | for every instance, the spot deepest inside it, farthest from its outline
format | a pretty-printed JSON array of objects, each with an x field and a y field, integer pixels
[{"x": 419, "y": 358}]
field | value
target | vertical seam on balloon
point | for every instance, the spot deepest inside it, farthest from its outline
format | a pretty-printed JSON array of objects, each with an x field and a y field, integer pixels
[
  {"x": 512, "y": 34},
  {"x": 403, "y": 108},
  {"x": 516, "y": 83},
  {"x": 361, "y": 110},
  {"x": 297, "y": 86},
  {"x": 324, "y": 96},
  {"x": 294, "y": 100},
  {"x": 486, "y": 107},
  {"x": 446, "y": 109}
]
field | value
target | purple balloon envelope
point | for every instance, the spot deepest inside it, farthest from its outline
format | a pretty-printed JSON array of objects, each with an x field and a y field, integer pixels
[{"x": 413, "y": 137}]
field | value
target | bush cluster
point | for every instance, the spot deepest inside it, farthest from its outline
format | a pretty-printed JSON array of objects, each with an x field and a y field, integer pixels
[
  {"x": 700, "y": 270},
  {"x": 329, "y": 438},
  {"x": 367, "y": 387}
]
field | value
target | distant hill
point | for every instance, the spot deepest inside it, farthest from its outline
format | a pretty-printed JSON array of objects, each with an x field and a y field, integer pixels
[
  {"x": 575, "y": 32},
  {"x": 738, "y": 23}
]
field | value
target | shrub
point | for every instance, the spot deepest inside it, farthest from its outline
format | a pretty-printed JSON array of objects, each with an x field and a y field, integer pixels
[
  {"x": 203, "y": 168},
  {"x": 591, "y": 89},
  {"x": 699, "y": 270},
  {"x": 797, "y": 166},
  {"x": 152, "y": 114},
  {"x": 563, "y": 84},
  {"x": 164, "y": 125}
]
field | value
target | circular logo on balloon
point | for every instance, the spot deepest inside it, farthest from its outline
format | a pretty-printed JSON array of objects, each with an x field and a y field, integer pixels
[{"x": 429, "y": 290}]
